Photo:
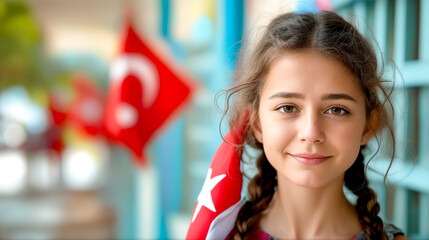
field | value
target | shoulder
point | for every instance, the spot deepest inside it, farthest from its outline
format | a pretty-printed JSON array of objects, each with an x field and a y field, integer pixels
[
  {"x": 400, "y": 237},
  {"x": 393, "y": 233}
]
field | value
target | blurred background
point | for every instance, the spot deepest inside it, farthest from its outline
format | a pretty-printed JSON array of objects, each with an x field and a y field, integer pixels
[{"x": 62, "y": 178}]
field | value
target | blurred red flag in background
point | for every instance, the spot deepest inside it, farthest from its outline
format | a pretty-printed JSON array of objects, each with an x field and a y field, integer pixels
[
  {"x": 58, "y": 115},
  {"x": 87, "y": 108},
  {"x": 144, "y": 92}
]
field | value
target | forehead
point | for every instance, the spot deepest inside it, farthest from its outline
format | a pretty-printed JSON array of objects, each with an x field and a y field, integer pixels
[{"x": 310, "y": 71}]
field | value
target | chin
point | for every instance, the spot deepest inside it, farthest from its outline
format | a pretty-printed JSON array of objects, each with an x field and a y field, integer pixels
[{"x": 310, "y": 180}]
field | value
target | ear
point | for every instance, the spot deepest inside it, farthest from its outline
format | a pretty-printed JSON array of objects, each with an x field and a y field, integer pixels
[
  {"x": 257, "y": 131},
  {"x": 366, "y": 136},
  {"x": 370, "y": 128}
]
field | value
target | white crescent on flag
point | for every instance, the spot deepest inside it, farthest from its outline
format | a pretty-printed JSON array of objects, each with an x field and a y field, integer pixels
[{"x": 145, "y": 71}]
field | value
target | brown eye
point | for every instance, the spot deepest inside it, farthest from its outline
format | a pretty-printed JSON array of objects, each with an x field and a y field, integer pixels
[
  {"x": 337, "y": 111},
  {"x": 288, "y": 109}
]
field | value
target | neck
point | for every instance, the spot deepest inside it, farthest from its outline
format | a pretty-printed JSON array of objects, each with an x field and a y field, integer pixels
[{"x": 320, "y": 213}]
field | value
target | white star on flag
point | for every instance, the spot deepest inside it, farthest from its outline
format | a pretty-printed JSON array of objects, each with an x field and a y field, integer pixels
[
  {"x": 205, "y": 197},
  {"x": 222, "y": 191}
]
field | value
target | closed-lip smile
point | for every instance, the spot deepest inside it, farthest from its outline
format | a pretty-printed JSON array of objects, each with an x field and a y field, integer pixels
[{"x": 310, "y": 158}]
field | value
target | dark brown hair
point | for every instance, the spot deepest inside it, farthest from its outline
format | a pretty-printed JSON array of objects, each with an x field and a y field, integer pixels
[{"x": 335, "y": 38}]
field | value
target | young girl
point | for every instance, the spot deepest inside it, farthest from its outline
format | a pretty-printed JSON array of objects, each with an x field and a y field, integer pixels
[{"x": 314, "y": 98}]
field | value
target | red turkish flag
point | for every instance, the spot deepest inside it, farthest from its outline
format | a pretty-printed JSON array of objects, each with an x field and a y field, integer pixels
[
  {"x": 57, "y": 108},
  {"x": 87, "y": 108},
  {"x": 58, "y": 115},
  {"x": 144, "y": 93},
  {"x": 219, "y": 202}
]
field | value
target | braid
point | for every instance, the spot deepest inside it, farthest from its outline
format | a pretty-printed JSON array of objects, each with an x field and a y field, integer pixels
[
  {"x": 261, "y": 189},
  {"x": 367, "y": 206}
]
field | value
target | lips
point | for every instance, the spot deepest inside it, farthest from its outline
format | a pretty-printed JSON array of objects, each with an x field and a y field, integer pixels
[{"x": 310, "y": 158}]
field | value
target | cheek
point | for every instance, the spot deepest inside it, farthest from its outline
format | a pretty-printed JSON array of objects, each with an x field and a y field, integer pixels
[
  {"x": 348, "y": 138},
  {"x": 276, "y": 132},
  {"x": 277, "y": 136}
]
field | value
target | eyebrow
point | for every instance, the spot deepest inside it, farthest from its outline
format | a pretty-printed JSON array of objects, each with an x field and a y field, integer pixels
[
  {"x": 287, "y": 95},
  {"x": 335, "y": 96},
  {"x": 331, "y": 96}
]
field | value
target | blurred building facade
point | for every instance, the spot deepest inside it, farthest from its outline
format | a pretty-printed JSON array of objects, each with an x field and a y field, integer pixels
[{"x": 95, "y": 184}]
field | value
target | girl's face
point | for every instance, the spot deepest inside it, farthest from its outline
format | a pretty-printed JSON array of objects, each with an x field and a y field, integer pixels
[{"x": 312, "y": 119}]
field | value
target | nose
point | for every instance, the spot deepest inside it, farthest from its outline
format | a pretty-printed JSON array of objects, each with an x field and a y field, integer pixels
[{"x": 311, "y": 129}]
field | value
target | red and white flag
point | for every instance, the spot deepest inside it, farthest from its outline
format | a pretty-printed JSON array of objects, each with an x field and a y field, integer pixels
[
  {"x": 219, "y": 202},
  {"x": 87, "y": 108},
  {"x": 58, "y": 110},
  {"x": 144, "y": 93}
]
